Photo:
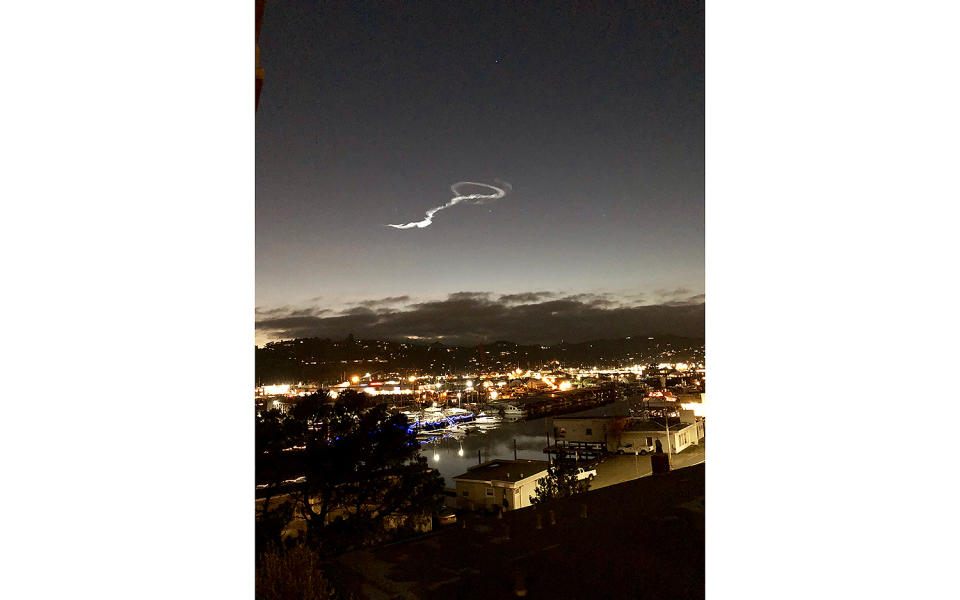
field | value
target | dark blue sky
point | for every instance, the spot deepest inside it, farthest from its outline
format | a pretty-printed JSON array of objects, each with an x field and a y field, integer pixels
[{"x": 370, "y": 111}]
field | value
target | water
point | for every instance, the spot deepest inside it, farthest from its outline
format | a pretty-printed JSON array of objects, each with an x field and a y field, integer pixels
[{"x": 530, "y": 436}]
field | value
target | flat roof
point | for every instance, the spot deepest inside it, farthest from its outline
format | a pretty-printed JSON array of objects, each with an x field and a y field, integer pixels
[
  {"x": 656, "y": 426},
  {"x": 504, "y": 470}
]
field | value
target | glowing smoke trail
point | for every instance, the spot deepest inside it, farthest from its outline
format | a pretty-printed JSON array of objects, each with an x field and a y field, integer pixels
[{"x": 457, "y": 199}]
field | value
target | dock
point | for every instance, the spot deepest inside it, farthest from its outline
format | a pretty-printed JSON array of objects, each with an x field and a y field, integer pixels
[{"x": 578, "y": 450}]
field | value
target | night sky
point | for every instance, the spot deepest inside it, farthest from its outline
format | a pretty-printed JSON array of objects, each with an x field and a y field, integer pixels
[{"x": 371, "y": 111}]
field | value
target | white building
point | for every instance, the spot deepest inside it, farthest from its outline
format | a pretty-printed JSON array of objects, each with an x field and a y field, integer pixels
[
  {"x": 610, "y": 433},
  {"x": 507, "y": 484},
  {"x": 682, "y": 435}
]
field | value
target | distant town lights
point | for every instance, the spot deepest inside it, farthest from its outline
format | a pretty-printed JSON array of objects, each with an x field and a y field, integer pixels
[{"x": 493, "y": 395}]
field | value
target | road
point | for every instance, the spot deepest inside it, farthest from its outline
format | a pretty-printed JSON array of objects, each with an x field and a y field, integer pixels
[{"x": 617, "y": 469}]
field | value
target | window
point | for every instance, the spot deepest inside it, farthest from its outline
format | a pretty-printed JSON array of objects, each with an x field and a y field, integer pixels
[
  {"x": 465, "y": 493},
  {"x": 490, "y": 492},
  {"x": 589, "y": 431},
  {"x": 649, "y": 441}
]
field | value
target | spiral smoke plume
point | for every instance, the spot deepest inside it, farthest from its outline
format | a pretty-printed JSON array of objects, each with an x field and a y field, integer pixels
[{"x": 459, "y": 198}]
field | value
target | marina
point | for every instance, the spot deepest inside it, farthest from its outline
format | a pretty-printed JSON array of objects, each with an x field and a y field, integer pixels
[{"x": 452, "y": 450}]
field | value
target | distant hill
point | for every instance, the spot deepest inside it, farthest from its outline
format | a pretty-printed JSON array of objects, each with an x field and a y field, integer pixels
[{"x": 320, "y": 360}]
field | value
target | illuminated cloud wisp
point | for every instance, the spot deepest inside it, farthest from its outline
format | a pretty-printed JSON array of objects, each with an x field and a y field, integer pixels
[{"x": 458, "y": 198}]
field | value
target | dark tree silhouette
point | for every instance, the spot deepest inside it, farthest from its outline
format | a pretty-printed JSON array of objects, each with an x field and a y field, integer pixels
[
  {"x": 362, "y": 473},
  {"x": 561, "y": 481}
]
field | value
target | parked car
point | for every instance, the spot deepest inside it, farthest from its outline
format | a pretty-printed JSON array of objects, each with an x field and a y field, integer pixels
[
  {"x": 630, "y": 448},
  {"x": 447, "y": 518},
  {"x": 586, "y": 474}
]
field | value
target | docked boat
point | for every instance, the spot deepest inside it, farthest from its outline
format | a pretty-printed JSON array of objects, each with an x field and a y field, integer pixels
[{"x": 513, "y": 411}]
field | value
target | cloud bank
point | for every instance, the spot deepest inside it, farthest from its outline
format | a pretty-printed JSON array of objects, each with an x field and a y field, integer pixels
[{"x": 481, "y": 317}]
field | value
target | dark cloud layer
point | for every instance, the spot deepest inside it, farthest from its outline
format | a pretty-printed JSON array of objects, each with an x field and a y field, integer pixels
[
  {"x": 385, "y": 301},
  {"x": 474, "y": 317}
]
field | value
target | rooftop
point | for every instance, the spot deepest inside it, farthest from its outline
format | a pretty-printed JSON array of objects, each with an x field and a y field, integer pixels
[
  {"x": 504, "y": 470},
  {"x": 636, "y": 425}
]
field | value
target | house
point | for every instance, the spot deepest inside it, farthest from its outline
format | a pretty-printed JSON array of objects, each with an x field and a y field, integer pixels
[
  {"x": 582, "y": 433},
  {"x": 509, "y": 484},
  {"x": 610, "y": 433},
  {"x": 647, "y": 433}
]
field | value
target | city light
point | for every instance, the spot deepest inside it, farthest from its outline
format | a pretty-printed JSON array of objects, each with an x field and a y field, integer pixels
[
  {"x": 565, "y": 385},
  {"x": 276, "y": 390},
  {"x": 493, "y": 395},
  {"x": 355, "y": 379}
]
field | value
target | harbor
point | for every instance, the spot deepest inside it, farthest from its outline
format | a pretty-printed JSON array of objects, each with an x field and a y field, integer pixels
[{"x": 452, "y": 451}]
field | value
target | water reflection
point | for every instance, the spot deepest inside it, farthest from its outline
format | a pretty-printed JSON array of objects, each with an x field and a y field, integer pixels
[{"x": 452, "y": 456}]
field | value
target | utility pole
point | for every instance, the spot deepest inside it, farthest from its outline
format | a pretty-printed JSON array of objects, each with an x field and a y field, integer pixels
[{"x": 666, "y": 420}]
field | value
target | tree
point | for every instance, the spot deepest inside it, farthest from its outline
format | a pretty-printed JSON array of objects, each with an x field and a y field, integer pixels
[
  {"x": 362, "y": 473},
  {"x": 617, "y": 427},
  {"x": 294, "y": 574},
  {"x": 560, "y": 482}
]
